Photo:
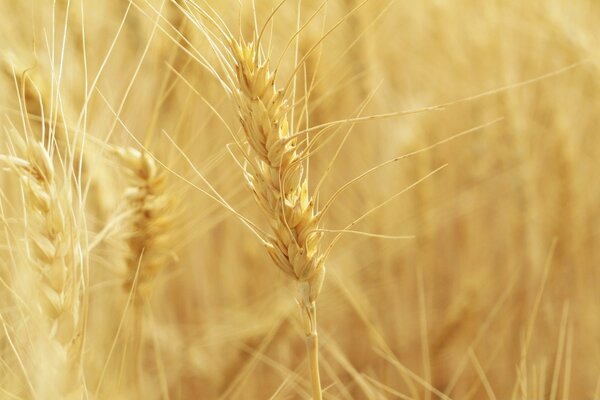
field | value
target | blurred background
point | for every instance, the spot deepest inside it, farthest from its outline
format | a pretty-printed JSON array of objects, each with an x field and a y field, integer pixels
[{"x": 496, "y": 296}]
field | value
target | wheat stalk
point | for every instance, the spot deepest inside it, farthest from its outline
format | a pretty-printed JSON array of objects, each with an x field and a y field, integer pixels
[
  {"x": 275, "y": 172},
  {"x": 149, "y": 221}
]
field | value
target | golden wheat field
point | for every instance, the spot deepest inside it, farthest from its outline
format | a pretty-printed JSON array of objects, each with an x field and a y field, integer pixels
[{"x": 299, "y": 199}]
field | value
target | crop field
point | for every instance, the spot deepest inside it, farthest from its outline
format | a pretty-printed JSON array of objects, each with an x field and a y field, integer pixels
[{"x": 300, "y": 199}]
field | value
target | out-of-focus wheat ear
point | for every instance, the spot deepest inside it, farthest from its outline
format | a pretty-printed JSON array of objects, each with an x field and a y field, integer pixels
[
  {"x": 34, "y": 86},
  {"x": 54, "y": 256},
  {"x": 150, "y": 221},
  {"x": 34, "y": 103},
  {"x": 275, "y": 172}
]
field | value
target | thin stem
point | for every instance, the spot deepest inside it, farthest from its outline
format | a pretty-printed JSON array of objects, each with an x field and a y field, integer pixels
[{"x": 312, "y": 347}]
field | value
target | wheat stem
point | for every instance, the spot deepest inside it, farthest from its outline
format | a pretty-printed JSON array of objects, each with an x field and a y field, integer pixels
[{"x": 312, "y": 348}]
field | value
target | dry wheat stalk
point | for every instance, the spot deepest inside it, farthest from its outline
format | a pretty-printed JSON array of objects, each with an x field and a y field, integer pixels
[
  {"x": 275, "y": 172},
  {"x": 150, "y": 220},
  {"x": 54, "y": 254}
]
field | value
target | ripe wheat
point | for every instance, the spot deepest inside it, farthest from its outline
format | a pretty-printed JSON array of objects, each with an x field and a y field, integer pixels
[{"x": 274, "y": 170}]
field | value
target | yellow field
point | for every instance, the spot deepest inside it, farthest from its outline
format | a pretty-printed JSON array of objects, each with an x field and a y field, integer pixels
[{"x": 131, "y": 256}]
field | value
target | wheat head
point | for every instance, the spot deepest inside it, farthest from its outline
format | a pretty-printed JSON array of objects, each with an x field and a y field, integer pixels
[
  {"x": 150, "y": 220},
  {"x": 274, "y": 170},
  {"x": 55, "y": 257}
]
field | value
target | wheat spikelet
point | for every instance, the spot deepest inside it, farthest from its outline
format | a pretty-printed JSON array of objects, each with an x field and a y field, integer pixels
[
  {"x": 150, "y": 220},
  {"x": 274, "y": 171},
  {"x": 33, "y": 94}
]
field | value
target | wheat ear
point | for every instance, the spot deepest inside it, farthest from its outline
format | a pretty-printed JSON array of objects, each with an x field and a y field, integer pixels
[
  {"x": 275, "y": 172},
  {"x": 55, "y": 256},
  {"x": 150, "y": 220},
  {"x": 47, "y": 116}
]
